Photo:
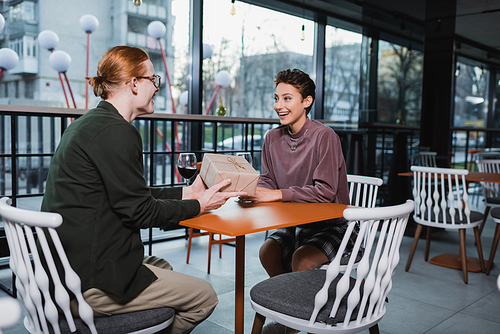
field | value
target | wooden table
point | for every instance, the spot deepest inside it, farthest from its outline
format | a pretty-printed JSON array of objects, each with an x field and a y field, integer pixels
[
  {"x": 453, "y": 260},
  {"x": 238, "y": 219}
]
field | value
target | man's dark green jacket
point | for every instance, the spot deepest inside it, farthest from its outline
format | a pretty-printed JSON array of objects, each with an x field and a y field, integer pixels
[{"x": 96, "y": 182}]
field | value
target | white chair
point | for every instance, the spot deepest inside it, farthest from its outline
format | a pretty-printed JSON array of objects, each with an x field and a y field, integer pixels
[
  {"x": 491, "y": 190},
  {"x": 441, "y": 201},
  {"x": 427, "y": 159},
  {"x": 363, "y": 190},
  {"x": 33, "y": 280},
  {"x": 10, "y": 311},
  {"x": 327, "y": 301}
]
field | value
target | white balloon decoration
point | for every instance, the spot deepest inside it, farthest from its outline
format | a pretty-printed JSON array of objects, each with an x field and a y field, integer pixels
[
  {"x": 60, "y": 61},
  {"x": 207, "y": 51},
  {"x": 89, "y": 23},
  {"x": 2, "y": 22},
  {"x": 48, "y": 39},
  {"x": 156, "y": 29},
  {"x": 8, "y": 58},
  {"x": 223, "y": 79},
  {"x": 183, "y": 98}
]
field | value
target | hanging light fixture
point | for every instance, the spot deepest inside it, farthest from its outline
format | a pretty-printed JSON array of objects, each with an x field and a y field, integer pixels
[
  {"x": 410, "y": 52},
  {"x": 233, "y": 9},
  {"x": 137, "y": 2},
  {"x": 370, "y": 52},
  {"x": 457, "y": 72},
  {"x": 303, "y": 33}
]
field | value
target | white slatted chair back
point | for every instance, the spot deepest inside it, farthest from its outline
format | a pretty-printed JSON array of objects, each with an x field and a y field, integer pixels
[
  {"x": 32, "y": 280},
  {"x": 490, "y": 189},
  {"x": 375, "y": 269},
  {"x": 346, "y": 302},
  {"x": 363, "y": 190},
  {"x": 487, "y": 155},
  {"x": 427, "y": 159},
  {"x": 441, "y": 198}
]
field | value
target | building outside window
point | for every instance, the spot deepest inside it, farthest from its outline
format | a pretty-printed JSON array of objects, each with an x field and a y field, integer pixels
[
  {"x": 399, "y": 83},
  {"x": 252, "y": 46},
  {"x": 471, "y": 92},
  {"x": 342, "y": 75}
]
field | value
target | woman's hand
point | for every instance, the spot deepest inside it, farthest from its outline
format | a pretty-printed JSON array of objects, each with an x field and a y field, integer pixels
[
  {"x": 213, "y": 198},
  {"x": 263, "y": 195}
]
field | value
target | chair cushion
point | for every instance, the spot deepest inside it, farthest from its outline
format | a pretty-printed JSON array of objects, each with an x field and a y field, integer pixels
[
  {"x": 122, "y": 323},
  {"x": 493, "y": 200},
  {"x": 474, "y": 217},
  {"x": 293, "y": 294},
  {"x": 495, "y": 213}
]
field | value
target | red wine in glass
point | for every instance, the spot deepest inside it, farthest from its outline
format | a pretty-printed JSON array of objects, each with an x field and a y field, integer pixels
[
  {"x": 186, "y": 165},
  {"x": 187, "y": 172}
]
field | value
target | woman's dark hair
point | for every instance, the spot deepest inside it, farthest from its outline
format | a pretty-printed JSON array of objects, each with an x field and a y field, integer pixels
[
  {"x": 298, "y": 79},
  {"x": 118, "y": 65}
]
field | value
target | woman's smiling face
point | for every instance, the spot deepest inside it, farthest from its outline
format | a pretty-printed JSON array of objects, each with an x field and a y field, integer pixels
[{"x": 290, "y": 106}]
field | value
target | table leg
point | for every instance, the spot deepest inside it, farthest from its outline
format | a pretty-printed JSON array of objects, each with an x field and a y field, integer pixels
[{"x": 239, "y": 300}]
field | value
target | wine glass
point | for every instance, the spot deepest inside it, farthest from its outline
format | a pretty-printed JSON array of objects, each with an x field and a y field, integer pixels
[
  {"x": 246, "y": 155},
  {"x": 187, "y": 164}
]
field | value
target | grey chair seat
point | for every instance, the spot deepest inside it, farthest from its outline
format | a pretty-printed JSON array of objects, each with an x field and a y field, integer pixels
[
  {"x": 495, "y": 213},
  {"x": 493, "y": 200},
  {"x": 474, "y": 217},
  {"x": 293, "y": 294},
  {"x": 124, "y": 323}
]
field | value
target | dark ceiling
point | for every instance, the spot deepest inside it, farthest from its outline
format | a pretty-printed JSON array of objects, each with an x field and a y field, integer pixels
[
  {"x": 477, "y": 24},
  {"x": 476, "y": 20}
]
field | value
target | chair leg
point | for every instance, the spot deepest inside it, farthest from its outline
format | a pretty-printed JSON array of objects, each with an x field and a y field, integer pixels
[
  {"x": 428, "y": 243},
  {"x": 479, "y": 248},
  {"x": 210, "y": 239},
  {"x": 413, "y": 246},
  {"x": 494, "y": 246},
  {"x": 258, "y": 323},
  {"x": 463, "y": 254},
  {"x": 189, "y": 243},
  {"x": 220, "y": 246},
  {"x": 486, "y": 212},
  {"x": 374, "y": 329}
]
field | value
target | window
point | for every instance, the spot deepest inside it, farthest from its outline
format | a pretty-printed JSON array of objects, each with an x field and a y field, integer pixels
[
  {"x": 496, "y": 104},
  {"x": 251, "y": 46},
  {"x": 342, "y": 75},
  {"x": 24, "y": 11},
  {"x": 471, "y": 92},
  {"x": 399, "y": 83}
]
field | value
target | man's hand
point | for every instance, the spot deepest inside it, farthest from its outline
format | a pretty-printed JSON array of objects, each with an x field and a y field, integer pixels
[
  {"x": 263, "y": 195},
  {"x": 195, "y": 190},
  {"x": 213, "y": 198}
]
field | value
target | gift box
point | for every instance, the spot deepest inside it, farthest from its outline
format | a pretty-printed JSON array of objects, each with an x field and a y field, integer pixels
[{"x": 218, "y": 167}]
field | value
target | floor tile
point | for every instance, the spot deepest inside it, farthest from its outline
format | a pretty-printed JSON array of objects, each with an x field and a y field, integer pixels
[{"x": 463, "y": 323}]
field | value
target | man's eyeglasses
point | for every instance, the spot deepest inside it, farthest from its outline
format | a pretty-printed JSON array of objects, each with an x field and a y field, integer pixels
[{"x": 155, "y": 79}]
